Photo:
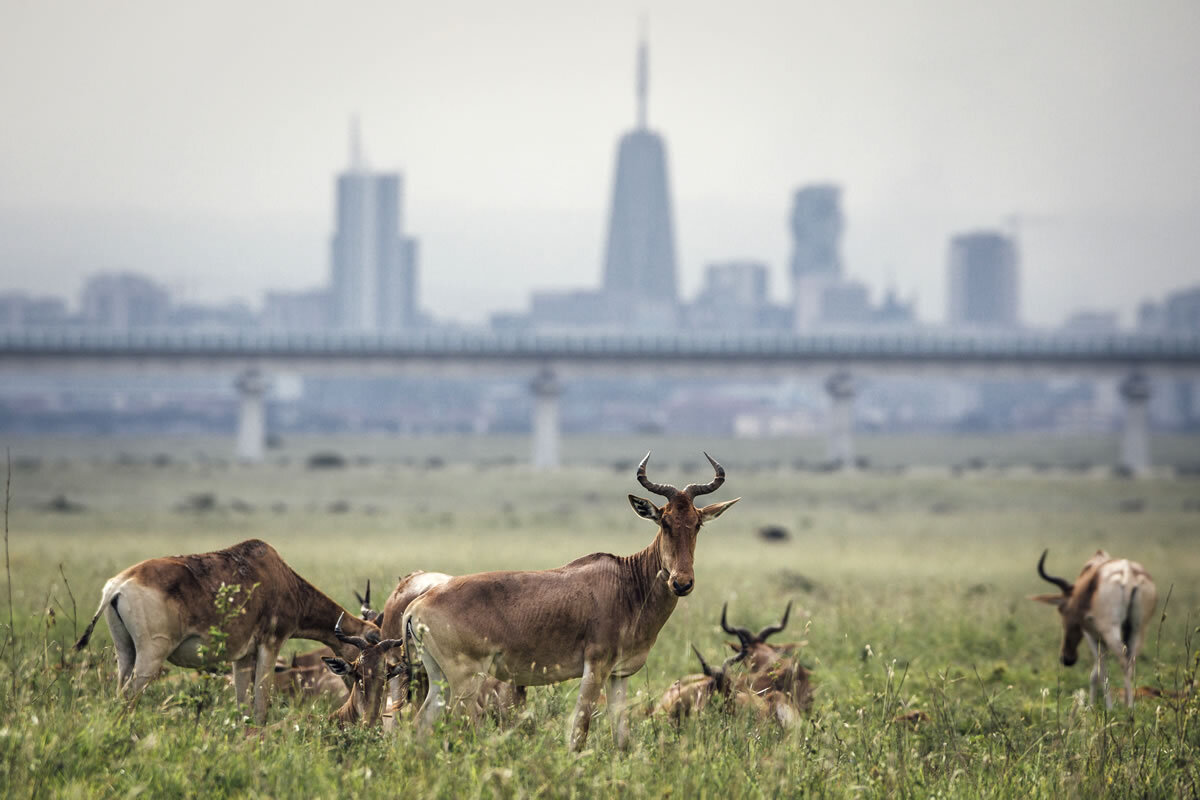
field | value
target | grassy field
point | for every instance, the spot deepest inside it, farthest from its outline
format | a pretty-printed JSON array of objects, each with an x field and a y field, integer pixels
[{"x": 909, "y": 589}]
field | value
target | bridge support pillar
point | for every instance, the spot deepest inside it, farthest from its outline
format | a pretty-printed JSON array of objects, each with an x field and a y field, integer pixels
[
  {"x": 546, "y": 390},
  {"x": 839, "y": 446},
  {"x": 1135, "y": 435},
  {"x": 251, "y": 435}
]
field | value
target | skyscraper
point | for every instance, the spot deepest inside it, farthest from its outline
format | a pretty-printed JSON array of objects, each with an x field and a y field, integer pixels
[
  {"x": 374, "y": 264},
  {"x": 983, "y": 280},
  {"x": 816, "y": 225},
  {"x": 639, "y": 264}
]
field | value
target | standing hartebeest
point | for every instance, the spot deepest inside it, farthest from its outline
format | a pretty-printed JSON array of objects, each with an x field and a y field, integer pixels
[
  {"x": 1110, "y": 603},
  {"x": 163, "y": 609},
  {"x": 769, "y": 667},
  {"x": 594, "y": 618}
]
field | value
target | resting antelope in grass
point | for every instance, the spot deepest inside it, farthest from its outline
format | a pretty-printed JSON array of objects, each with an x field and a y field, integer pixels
[
  {"x": 771, "y": 668},
  {"x": 594, "y": 618},
  {"x": 1110, "y": 604},
  {"x": 692, "y": 693},
  {"x": 162, "y": 609}
]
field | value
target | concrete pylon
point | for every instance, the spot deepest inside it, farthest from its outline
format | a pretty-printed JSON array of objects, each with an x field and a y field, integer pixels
[
  {"x": 546, "y": 390},
  {"x": 1135, "y": 436},
  {"x": 839, "y": 446},
  {"x": 252, "y": 388}
]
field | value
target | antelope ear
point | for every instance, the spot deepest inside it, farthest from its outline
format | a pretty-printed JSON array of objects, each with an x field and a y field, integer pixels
[
  {"x": 396, "y": 670},
  {"x": 644, "y": 508},
  {"x": 716, "y": 509},
  {"x": 734, "y": 646},
  {"x": 337, "y": 666},
  {"x": 1049, "y": 599}
]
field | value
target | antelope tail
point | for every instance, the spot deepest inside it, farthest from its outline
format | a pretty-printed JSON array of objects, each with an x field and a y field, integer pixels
[{"x": 105, "y": 599}]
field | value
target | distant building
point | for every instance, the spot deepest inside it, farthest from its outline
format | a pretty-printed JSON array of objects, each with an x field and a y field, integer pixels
[
  {"x": 1181, "y": 311},
  {"x": 297, "y": 311},
  {"x": 983, "y": 281},
  {"x": 19, "y": 310},
  {"x": 229, "y": 316},
  {"x": 124, "y": 300},
  {"x": 734, "y": 297},
  {"x": 817, "y": 226},
  {"x": 374, "y": 266},
  {"x": 639, "y": 262}
]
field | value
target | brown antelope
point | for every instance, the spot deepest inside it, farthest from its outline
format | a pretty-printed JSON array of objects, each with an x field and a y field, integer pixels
[
  {"x": 770, "y": 668},
  {"x": 596, "y": 617},
  {"x": 364, "y": 602},
  {"x": 494, "y": 697},
  {"x": 162, "y": 610},
  {"x": 1110, "y": 604},
  {"x": 692, "y": 693},
  {"x": 368, "y": 672}
]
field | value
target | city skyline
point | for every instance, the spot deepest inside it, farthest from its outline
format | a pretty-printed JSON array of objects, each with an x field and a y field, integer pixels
[{"x": 214, "y": 181}]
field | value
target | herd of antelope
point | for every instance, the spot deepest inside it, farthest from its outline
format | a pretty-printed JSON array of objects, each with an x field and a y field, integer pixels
[{"x": 474, "y": 643}]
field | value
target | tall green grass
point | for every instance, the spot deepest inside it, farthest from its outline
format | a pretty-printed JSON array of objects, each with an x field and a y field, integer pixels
[{"x": 934, "y": 675}]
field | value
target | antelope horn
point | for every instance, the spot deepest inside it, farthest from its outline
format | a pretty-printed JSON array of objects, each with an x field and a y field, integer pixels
[
  {"x": 744, "y": 636},
  {"x": 1059, "y": 582},
  {"x": 694, "y": 489},
  {"x": 703, "y": 664},
  {"x": 664, "y": 489},
  {"x": 733, "y": 659},
  {"x": 388, "y": 644},
  {"x": 772, "y": 629},
  {"x": 357, "y": 641}
]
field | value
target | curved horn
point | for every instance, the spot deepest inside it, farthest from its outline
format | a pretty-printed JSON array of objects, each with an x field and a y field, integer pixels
[
  {"x": 694, "y": 489},
  {"x": 703, "y": 664},
  {"x": 743, "y": 634},
  {"x": 1059, "y": 582},
  {"x": 388, "y": 644},
  {"x": 733, "y": 659},
  {"x": 664, "y": 489},
  {"x": 772, "y": 629},
  {"x": 357, "y": 641}
]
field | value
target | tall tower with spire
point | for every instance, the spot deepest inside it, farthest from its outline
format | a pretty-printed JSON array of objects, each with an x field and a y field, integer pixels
[
  {"x": 374, "y": 265},
  {"x": 639, "y": 262}
]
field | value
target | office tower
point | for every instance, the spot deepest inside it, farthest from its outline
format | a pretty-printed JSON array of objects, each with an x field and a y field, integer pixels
[
  {"x": 817, "y": 226},
  {"x": 639, "y": 265},
  {"x": 374, "y": 264},
  {"x": 982, "y": 280}
]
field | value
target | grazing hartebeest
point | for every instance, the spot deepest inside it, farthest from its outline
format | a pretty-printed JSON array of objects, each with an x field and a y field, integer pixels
[
  {"x": 692, "y": 693},
  {"x": 369, "y": 673},
  {"x": 495, "y": 696},
  {"x": 1110, "y": 603},
  {"x": 769, "y": 667},
  {"x": 162, "y": 610},
  {"x": 594, "y": 618}
]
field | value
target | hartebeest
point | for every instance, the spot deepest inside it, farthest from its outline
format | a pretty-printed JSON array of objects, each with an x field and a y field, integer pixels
[
  {"x": 596, "y": 617},
  {"x": 163, "y": 609},
  {"x": 772, "y": 668},
  {"x": 367, "y": 699},
  {"x": 1110, "y": 604},
  {"x": 692, "y": 693},
  {"x": 368, "y": 672}
]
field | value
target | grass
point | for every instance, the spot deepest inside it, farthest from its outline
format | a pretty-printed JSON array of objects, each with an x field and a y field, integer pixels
[{"x": 909, "y": 590}]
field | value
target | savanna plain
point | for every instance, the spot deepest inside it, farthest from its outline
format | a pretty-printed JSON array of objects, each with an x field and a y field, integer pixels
[{"x": 934, "y": 674}]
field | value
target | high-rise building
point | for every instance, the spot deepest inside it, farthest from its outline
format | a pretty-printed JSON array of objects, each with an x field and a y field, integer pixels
[
  {"x": 374, "y": 264},
  {"x": 817, "y": 226},
  {"x": 983, "y": 280},
  {"x": 639, "y": 263}
]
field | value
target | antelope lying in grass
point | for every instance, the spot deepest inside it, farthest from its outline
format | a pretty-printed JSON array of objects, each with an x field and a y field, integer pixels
[
  {"x": 772, "y": 668},
  {"x": 594, "y": 618},
  {"x": 369, "y": 678},
  {"x": 163, "y": 609},
  {"x": 1110, "y": 604},
  {"x": 368, "y": 672},
  {"x": 692, "y": 693}
]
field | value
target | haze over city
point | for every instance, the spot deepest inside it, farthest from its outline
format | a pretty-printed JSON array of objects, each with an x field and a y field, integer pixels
[{"x": 199, "y": 145}]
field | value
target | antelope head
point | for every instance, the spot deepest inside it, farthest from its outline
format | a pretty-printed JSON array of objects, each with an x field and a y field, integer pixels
[
  {"x": 719, "y": 677},
  {"x": 762, "y": 655},
  {"x": 368, "y": 674},
  {"x": 679, "y": 522},
  {"x": 1072, "y": 613}
]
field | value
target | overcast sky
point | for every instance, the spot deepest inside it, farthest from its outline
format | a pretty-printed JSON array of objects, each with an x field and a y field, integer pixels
[{"x": 199, "y": 142}]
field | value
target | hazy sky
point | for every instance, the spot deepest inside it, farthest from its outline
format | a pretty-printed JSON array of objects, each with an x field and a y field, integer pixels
[{"x": 199, "y": 142}]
